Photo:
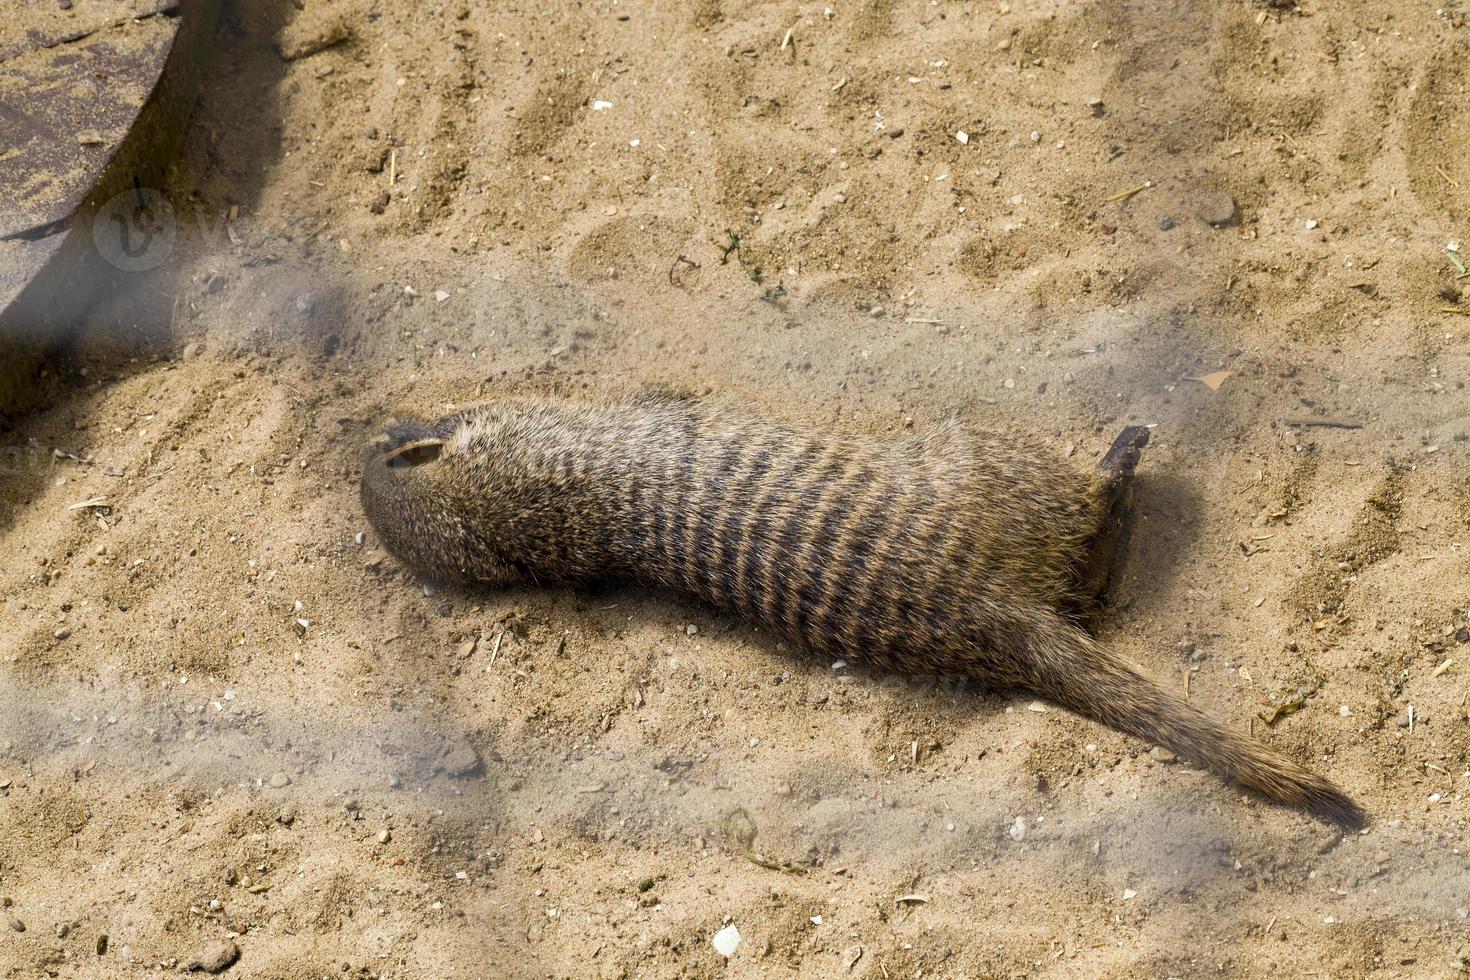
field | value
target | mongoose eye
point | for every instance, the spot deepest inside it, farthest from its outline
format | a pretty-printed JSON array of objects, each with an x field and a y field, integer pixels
[{"x": 415, "y": 454}]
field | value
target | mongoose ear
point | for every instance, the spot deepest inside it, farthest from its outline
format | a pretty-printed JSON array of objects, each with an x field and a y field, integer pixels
[{"x": 415, "y": 453}]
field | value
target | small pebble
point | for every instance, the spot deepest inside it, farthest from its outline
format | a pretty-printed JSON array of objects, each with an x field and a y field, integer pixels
[
  {"x": 16, "y": 924},
  {"x": 216, "y": 957},
  {"x": 1166, "y": 223},
  {"x": 1018, "y": 830},
  {"x": 279, "y": 780},
  {"x": 62, "y": 930},
  {"x": 727, "y": 941},
  {"x": 63, "y": 633},
  {"x": 1160, "y": 754},
  {"x": 1217, "y": 208},
  {"x": 461, "y": 761}
]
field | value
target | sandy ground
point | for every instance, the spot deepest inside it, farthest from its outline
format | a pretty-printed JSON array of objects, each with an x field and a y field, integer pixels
[{"x": 223, "y": 714}]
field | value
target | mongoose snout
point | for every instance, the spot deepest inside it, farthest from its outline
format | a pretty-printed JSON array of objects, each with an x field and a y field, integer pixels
[{"x": 950, "y": 551}]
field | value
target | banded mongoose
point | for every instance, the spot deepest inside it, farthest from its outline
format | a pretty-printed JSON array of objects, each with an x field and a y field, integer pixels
[{"x": 949, "y": 552}]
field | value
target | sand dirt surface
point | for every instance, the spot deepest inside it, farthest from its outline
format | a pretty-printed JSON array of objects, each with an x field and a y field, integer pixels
[{"x": 227, "y": 715}]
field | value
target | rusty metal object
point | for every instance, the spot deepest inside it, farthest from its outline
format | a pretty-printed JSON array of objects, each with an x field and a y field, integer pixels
[{"x": 93, "y": 98}]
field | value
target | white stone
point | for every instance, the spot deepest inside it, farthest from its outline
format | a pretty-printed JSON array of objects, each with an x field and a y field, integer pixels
[{"x": 727, "y": 940}]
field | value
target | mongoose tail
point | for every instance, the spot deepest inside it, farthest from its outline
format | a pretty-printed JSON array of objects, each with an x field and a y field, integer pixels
[{"x": 1069, "y": 667}]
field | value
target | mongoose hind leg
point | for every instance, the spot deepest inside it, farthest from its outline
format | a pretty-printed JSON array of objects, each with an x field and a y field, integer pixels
[
  {"x": 1118, "y": 463},
  {"x": 1116, "y": 469}
]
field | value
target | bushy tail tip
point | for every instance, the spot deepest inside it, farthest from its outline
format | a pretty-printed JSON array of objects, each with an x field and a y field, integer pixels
[{"x": 1074, "y": 670}]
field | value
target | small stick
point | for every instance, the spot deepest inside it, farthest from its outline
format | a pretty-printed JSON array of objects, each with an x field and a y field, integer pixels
[
  {"x": 1326, "y": 423},
  {"x": 495, "y": 649},
  {"x": 1450, "y": 180},
  {"x": 392, "y": 166},
  {"x": 786, "y": 41},
  {"x": 1123, "y": 195},
  {"x": 1455, "y": 310}
]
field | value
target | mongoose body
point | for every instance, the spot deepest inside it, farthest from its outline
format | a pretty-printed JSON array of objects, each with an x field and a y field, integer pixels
[{"x": 950, "y": 551}]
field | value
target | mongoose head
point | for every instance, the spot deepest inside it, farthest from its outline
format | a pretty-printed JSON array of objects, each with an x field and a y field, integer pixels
[
  {"x": 418, "y": 490},
  {"x": 492, "y": 496}
]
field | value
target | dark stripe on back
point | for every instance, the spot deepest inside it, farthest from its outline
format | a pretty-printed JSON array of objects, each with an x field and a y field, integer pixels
[
  {"x": 807, "y": 531},
  {"x": 879, "y": 542},
  {"x": 709, "y": 502},
  {"x": 829, "y": 588},
  {"x": 675, "y": 550},
  {"x": 734, "y": 529},
  {"x": 757, "y": 554}
]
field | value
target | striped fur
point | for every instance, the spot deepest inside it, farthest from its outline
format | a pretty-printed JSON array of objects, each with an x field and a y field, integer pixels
[{"x": 947, "y": 552}]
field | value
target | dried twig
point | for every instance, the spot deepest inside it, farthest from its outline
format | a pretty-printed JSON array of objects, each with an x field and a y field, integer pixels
[{"x": 1124, "y": 195}]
